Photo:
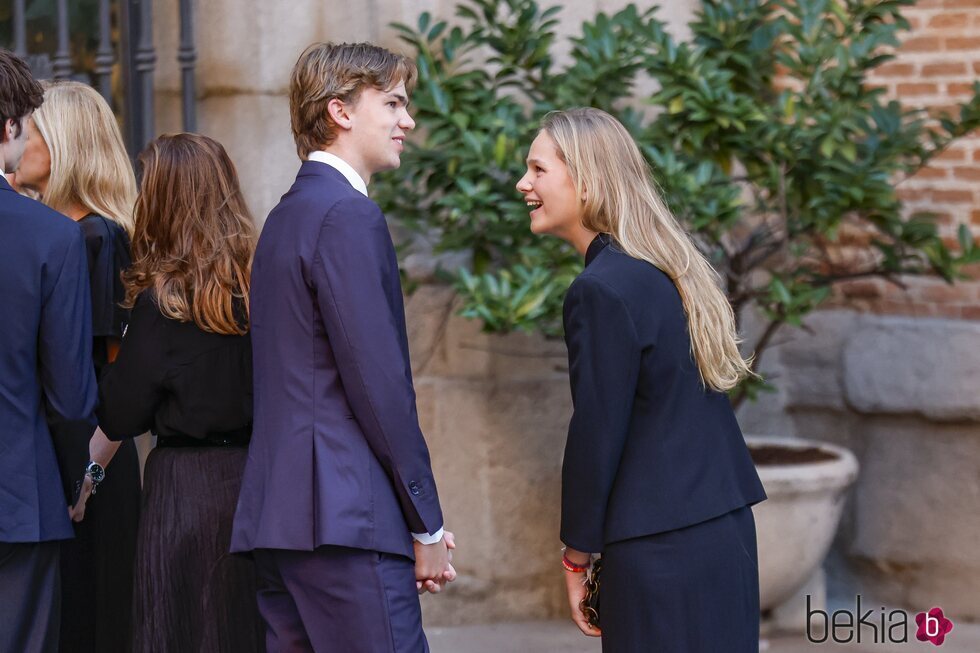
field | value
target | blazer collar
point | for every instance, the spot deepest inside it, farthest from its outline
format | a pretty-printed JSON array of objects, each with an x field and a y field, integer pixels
[
  {"x": 4, "y": 185},
  {"x": 598, "y": 244},
  {"x": 317, "y": 169},
  {"x": 339, "y": 164}
]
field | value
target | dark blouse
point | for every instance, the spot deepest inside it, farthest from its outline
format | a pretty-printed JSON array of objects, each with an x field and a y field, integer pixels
[
  {"x": 178, "y": 381},
  {"x": 107, "y": 250},
  {"x": 107, "y": 245}
]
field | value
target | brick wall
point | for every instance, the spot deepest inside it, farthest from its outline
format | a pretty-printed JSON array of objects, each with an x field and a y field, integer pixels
[{"x": 935, "y": 67}]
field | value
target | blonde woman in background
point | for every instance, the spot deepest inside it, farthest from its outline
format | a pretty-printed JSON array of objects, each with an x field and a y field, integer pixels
[
  {"x": 656, "y": 476},
  {"x": 76, "y": 163}
]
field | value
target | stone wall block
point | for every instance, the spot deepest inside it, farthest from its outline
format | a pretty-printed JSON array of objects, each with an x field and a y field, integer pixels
[
  {"x": 427, "y": 314},
  {"x": 914, "y": 529},
  {"x": 468, "y": 352},
  {"x": 920, "y": 366},
  {"x": 814, "y": 356}
]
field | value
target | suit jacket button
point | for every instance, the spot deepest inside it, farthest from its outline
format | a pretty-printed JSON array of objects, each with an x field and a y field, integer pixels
[{"x": 414, "y": 488}]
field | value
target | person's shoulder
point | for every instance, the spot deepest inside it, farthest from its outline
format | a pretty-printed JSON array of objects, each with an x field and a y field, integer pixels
[
  {"x": 629, "y": 274},
  {"x": 316, "y": 194},
  {"x": 39, "y": 217}
]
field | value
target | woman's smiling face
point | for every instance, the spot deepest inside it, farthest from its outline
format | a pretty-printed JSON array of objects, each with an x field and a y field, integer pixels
[{"x": 549, "y": 191}]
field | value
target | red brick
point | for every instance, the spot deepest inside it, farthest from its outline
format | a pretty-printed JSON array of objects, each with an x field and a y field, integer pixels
[
  {"x": 952, "y": 154},
  {"x": 862, "y": 289},
  {"x": 931, "y": 173},
  {"x": 975, "y": 217},
  {"x": 917, "y": 89},
  {"x": 976, "y": 155},
  {"x": 972, "y": 272},
  {"x": 944, "y": 109},
  {"x": 950, "y": 20},
  {"x": 944, "y": 293},
  {"x": 959, "y": 89},
  {"x": 963, "y": 43},
  {"x": 911, "y": 194},
  {"x": 971, "y": 173},
  {"x": 909, "y": 308},
  {"x": 895, "y": 69},
  {"x": 922, "y": 44},
  {"x": 956, "y": 4},
  {"x": 953, "y": 196},
  {"x": 971, "y": 312},
  {"x": 976, "y": 67},
  {"x": 943, "y": 69}
]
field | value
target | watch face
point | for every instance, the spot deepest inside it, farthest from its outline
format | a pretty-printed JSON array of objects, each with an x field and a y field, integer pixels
[{"x": 96, "y": 471}]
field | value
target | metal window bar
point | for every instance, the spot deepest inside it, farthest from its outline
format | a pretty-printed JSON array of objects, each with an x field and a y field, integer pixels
[
  {"x": 61, "y": 63},
  {"x": 105, "y": 56},
  {"x": 136, "y": 56},
  {"x": 20, "y": 29},
  {"x": 187, "y": 57}
]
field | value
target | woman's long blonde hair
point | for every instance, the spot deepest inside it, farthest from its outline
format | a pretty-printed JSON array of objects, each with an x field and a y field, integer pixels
[
  {"x": 195, "y": 236},
  {"x": 89, "y": 164},
  {"x": 620, "y": 199}
]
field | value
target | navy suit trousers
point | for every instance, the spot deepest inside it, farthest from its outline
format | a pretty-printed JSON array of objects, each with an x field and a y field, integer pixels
[{"x": 339, "y": 600}]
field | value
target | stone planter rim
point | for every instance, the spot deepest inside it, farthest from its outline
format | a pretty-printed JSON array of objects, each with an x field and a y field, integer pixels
[{"x": 824, "y": 475}]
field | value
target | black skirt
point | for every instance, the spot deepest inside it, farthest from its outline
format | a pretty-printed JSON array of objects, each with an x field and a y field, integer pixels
[
  {"x": 690, "y": 590},
  {"x": 191, "y": 594}
]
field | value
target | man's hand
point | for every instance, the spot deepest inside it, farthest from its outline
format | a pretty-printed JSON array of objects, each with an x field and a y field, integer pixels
[
  {"x": 77, "y": 512},
  {"x": 433, "y": 568}
]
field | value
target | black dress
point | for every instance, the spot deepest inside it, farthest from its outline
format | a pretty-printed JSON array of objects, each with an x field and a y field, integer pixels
[
  {"x": 193, "y": 389},
  {"x": 97, "y": 566}
]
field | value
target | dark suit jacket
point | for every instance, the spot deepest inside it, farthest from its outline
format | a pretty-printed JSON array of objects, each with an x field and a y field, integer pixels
[
  {"x": 649, "y": 449},
  {"x": 337, "y": 456},
  {"x": 45, "y": 347}
]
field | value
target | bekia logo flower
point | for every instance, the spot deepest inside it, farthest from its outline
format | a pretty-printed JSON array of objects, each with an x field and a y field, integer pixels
[{"x": 933, "y": 626}]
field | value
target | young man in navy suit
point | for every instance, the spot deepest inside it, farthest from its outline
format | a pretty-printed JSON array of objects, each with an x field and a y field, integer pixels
[
  {"x": 45, "y": 348},
  {"x": 338, "y": 502}
]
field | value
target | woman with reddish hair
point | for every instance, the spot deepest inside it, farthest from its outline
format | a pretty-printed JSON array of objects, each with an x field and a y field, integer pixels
[{"x": 184, "y": 372}]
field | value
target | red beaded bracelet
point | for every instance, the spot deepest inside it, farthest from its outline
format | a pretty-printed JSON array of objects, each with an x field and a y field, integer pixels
[{"x": 572, "y": 567}]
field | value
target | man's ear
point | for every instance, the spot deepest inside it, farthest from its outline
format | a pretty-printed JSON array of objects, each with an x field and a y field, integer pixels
[{"x": 338, "y": 112}]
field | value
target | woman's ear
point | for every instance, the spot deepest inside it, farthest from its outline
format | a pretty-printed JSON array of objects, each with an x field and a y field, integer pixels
[{"x": 338, "y": 112}]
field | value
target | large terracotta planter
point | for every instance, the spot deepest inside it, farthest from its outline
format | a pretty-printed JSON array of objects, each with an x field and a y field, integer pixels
[{"x": 806, "y": 483}]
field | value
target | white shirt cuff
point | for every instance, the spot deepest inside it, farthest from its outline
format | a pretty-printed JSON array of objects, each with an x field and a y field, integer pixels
[{"x": 425, "y": 538}]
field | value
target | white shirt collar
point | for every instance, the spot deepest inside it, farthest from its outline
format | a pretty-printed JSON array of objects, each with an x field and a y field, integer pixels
[{"x": 342, "y": 166}]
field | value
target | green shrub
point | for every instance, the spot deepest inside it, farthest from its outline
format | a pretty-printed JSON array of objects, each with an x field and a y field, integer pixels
[{"x": 764, "y": 137}]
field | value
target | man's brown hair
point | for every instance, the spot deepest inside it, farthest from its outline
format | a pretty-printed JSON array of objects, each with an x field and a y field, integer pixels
[
  {"x": 20, "y": 93},
  {"x": 325, "y": 72}
]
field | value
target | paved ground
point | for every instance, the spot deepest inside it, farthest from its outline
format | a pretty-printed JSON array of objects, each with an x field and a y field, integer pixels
[{"x": 562, "y": 637}]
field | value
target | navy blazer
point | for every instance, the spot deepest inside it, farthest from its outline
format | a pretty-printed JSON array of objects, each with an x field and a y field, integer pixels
[
  {"x": 337, "y": 456},
  {"x": 45, "y": 347},
  {"x": 649, "y": 448}
]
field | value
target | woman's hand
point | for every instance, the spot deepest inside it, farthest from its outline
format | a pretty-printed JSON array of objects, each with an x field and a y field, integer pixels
[
  {"x": 77, "y": 512},
  {"x": 575, "y": 587}
]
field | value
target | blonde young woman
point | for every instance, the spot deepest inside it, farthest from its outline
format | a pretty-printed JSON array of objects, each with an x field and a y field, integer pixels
[
  {"x": 656, "y": 477},
  {"x": 76, "y": 163}
]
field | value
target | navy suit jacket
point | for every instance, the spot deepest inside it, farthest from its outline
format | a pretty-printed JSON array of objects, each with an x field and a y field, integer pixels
[
  {"x": 649, "y": 448},
  {"x": 336, "y": 456},
  {"x": 45, "y": 347}
]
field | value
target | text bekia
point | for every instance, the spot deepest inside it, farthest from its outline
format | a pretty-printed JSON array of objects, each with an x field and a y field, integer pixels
[{"x": 879, "y": 626}]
